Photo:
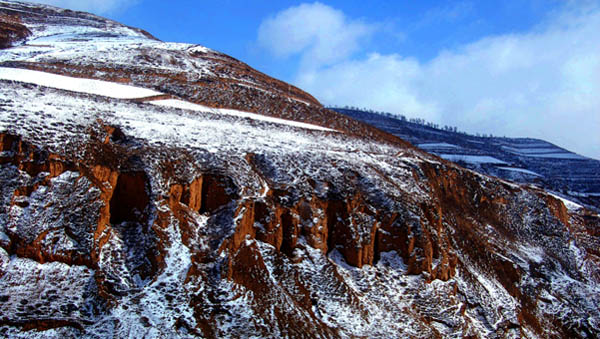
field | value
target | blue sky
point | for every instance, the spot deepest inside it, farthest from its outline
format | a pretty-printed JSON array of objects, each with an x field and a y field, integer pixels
[
  {"x": 416, "y": 28},
  {"x": 513, "y": 67}
]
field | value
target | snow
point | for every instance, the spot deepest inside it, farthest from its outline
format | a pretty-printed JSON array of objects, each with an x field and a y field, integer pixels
[
  {"x": 521, "y": 170},
  {"x": 538, "y": 150},
  {"x": 498, "y": 304},
  {"x": 437, "y": 145},
  {"x": 474, "y": 159},
  {"x": 150, "y": 301},
  {"x": 89, "y": 86},
  {"x": 543, "y": 152},
  {"x": 66, "y": 46},
  {"x": 584, "y": 194},
  {"x": 119, "y": 91},
  {"x": 199, "y": 49},
  {"x": 55, "y": 289},
  {"x": 215, "y": 135},
  {"x": 527, "y": 150},
  {"x": 570, "y": 205},
  {"x": 535, "y": 254},
  {"x": 571, "y": 156},
  {"x": 80, "y": 24},
  {"x": 175, "y": 103}
]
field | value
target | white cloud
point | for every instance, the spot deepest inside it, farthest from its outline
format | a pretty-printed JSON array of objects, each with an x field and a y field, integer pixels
[
  {"x": 94, "y": 6},
  {"x": 380, "y": 82},
  {"x": 321, "y": 34},
  {"x": 542, "y": 84}
]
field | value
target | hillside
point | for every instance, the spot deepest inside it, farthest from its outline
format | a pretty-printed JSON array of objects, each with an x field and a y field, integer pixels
[
  {"x": 524, "y": 160},
  {"x": 163, "y": 190}
]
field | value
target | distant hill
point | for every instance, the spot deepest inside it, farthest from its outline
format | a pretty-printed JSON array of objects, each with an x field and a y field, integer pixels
[{"x": 524, "y": 160}]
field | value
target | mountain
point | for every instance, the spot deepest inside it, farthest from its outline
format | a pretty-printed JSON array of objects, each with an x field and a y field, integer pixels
[
  {"x": 153, "y": 189},
  {"x": 524, "y": 160}
]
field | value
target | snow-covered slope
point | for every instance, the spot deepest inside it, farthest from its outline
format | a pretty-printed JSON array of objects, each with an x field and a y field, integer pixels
[
  {"x": 82, "y": 45},
  {"x": 530, "y": 161},
  {"x": 119, "y": 91},
  {"x": 167, "y": 216}
]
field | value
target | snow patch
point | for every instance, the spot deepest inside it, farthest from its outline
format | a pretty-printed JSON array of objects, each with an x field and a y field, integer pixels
[
  {"x": 89, "y": 86},
  {"x": 474, "y": 159},
  {"x": 174, "y": 103},
  {"x": 570, "y": 205},
  {"x": 200, "y": 49},
  {"x": 543, "y": 152},
  {"x": 437, "y": 145},
  {"x": 571, "y": 156}
]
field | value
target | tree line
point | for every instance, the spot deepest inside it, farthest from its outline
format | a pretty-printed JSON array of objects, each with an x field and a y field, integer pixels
[{"x": 418, "y": 121}]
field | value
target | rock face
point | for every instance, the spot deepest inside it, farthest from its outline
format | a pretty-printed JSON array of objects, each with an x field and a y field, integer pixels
[
  {"x": 123, "y": 218},
  {"x": 11, "y": 30}
]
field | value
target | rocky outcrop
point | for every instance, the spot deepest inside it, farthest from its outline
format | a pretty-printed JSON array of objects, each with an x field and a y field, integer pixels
[
  {"x": 348, "y": 226},
  {"x": 11, "y": 30},
  {"x": 288, "y": 252},
  {"x": 116, "y": 205}
]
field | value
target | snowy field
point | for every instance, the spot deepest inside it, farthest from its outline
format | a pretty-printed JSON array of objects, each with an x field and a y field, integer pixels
[{"x": 542, "y": 151}]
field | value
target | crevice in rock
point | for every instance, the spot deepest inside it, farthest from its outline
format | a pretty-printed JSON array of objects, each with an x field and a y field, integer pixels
[{"x": 130, "y": 198}]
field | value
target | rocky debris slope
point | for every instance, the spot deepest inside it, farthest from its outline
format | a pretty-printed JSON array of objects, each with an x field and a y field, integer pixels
[
  {"x": 123, "y": 218},
  {"x": 525, "y": 160}
]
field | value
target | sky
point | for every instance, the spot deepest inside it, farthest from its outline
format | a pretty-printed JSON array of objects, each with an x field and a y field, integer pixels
[{"x": 511, "y": 68}]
